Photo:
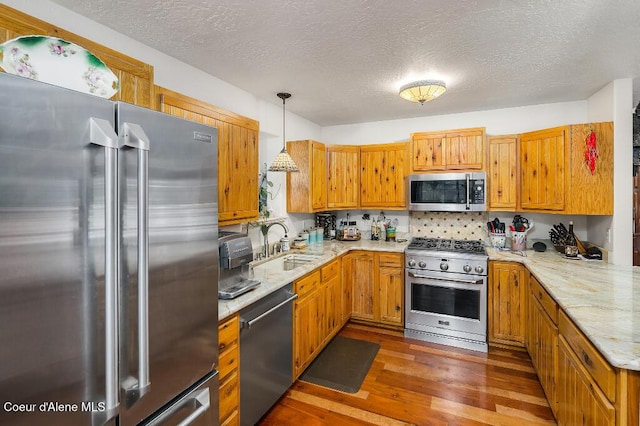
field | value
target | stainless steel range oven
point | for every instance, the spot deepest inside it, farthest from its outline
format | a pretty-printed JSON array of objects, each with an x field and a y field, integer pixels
[{"x": 446, "y": 292}]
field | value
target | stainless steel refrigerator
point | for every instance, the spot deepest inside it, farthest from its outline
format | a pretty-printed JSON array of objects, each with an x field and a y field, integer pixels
[{"x": 108, "y": 261}]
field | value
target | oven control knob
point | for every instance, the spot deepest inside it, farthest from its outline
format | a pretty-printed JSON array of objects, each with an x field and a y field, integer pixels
[
  {"x": 479, "y": 269},
  {"x": 444, "y": 266},
  {"x": 422, "y": 264},
  {"x": 412, "y": 263},
  {"x": 466, "y": 268}
]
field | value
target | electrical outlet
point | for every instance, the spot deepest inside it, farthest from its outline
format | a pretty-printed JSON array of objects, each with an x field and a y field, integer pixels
[{"x": 609, "y": 235}]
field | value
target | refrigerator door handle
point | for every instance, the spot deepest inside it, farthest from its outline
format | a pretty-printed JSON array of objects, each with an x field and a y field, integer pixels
[
  {"x": 200, "y": 400},
  {"x": 101, "y": 133},
  {"x": 134, "y": 136}
]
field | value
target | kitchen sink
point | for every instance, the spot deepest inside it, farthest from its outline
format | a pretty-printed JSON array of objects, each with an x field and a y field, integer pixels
[{"x": 287, "y": 262}]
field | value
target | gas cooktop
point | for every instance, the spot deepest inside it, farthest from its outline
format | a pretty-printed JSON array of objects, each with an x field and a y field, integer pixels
[{"x": 439, "y": 244}]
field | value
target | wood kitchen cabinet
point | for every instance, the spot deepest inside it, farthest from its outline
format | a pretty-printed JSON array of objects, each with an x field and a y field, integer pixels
[
  {"x": 455, "y": 150},
  {"x": 543, "y": 339},
  {"x": 581, "y": 386},
  {"x": 377, "y": 282},
  {"x": 361, "y": 274},
  {"x": 307, "y": 189},
  {"x": 136, "y": 77},
  {"x": 554, "y": 176},
  {"x": 343, "y": 177},
  {"x": 229, "y": 370},
  {"x": 543, "y": 155},
  {"x": 331, "y": 282},
  {"x": 382, "y": 176},
  {"x": 317, "y": 313},
  {"x": 586, "y": 384},
  {"x": 507, "y": 298},
  {"x": 590, "y": 194},
  {"x": 308, "y": 321},
  {"x": 237, "y": 154},
  {"x": 391, "y": 288},
  {"x": 502, "y": 173},
  {"x": 580, "y": 401}
]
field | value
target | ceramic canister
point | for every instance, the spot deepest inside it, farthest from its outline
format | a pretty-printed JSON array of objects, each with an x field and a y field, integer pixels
[{"x": 305, "y": 236}]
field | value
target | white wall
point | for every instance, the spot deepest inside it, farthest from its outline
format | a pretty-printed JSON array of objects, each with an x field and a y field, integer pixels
[
  {"x": 183, "y": 78},
  {"x": 180, "y": 77},
  {"x": 497, "y": 122},
  {"x": 611, "y": 103}
]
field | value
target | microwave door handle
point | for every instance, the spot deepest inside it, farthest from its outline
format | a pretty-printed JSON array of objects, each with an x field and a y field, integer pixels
[
  {"x": 451, "y": 280},
  {"x": 467, "y": 179}
]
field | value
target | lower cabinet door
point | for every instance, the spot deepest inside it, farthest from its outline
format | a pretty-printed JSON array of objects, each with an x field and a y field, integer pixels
[
  {"x": 507, "y": 287},
  {"x": 309, "y": 329},
  {"x": 544, "y": 354},
  {"x": 580, "y": 401},
  {"x": 362, "y": 278},
  {"x": 391, "y": 291}
]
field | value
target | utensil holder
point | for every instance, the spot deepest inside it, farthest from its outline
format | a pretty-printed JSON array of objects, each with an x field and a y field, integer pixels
[
  {"x": 519, "y": 241},
  {"x": 498, "y": 239}
]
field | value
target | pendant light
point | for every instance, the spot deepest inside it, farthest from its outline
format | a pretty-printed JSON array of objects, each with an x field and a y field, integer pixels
[{"x": 283, "y": 161}]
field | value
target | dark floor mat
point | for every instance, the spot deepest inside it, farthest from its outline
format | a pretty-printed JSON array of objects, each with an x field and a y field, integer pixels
[{"x": 342, "y": 365}]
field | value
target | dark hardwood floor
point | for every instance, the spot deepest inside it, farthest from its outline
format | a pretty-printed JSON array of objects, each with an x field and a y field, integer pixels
[{"x": 414, "y": 382}]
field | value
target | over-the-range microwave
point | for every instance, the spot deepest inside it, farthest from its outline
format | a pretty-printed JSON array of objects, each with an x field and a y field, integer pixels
[{"x": 447, "y": 192}]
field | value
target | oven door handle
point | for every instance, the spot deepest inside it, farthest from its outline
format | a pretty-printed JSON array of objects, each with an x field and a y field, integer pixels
[{"x": 451, "y": 280}]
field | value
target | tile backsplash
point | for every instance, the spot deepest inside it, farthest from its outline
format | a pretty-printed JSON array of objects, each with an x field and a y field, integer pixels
[{"x": 457, "y": 226}]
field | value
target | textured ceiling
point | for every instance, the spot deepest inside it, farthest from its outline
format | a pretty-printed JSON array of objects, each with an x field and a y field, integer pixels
[{"x": 344, "y": 60}]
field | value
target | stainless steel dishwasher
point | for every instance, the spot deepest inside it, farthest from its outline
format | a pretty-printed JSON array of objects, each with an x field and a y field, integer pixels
[{"x": 266, "y": 353}]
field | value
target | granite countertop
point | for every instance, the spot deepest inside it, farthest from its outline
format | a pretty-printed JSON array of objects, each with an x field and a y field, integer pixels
[
  {"x": 602, "y": 299},
  {"x": 273, "y": 280}
]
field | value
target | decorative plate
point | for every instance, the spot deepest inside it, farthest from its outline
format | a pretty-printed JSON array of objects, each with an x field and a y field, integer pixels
[{"x": 56, "y": 61}]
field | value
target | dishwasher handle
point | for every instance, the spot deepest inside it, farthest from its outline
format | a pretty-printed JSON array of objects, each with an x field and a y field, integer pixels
[{"x": 248, "y": 323}]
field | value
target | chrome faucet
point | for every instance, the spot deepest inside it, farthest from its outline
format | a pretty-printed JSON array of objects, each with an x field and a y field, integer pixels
[{"x": 265, "y": 232}]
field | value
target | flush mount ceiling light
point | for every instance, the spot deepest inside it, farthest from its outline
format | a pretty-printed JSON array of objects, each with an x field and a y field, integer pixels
[
  {"x": 283, "y": 161},
  {"x": 422, "y": 91}
]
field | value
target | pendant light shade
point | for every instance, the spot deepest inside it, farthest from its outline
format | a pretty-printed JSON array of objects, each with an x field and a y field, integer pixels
[
  {"x": 422, "y": 91},
  {"x": 283, "y": 161}
]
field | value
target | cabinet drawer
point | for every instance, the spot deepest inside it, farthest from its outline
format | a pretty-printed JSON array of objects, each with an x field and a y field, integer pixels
[
  {"x": 603, "y": 374},
  {"x": 391, "y": 259},
  {"x": 228, "y": 361},
  {"x": 549, "y": 305},
  {"x": 228, "y": 333},
  {"x": 229, "y": 396},
  {"x": 331, "y": 270},
  {"x": 307, "y": 284}
]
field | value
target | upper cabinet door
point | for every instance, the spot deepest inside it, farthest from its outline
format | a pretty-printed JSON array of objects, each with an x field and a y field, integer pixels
[
  {"x": 543, "y": 163},
  {"x": 343, "y": 176},
  {"x": 502, "y": 174},
  {"x": 237, "y": 154},
  {"x": 464, "y": 149},
  {"x": 591, "y": 192},
  {"x": 136, "y": 77},
  {"x": 448, "y": 150},
  {"x": 307, "y": 189},
  {"x": 383, "y": 175},
  {"x": 427, "y": 151},
  {"x": 318, "y": 176}
]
